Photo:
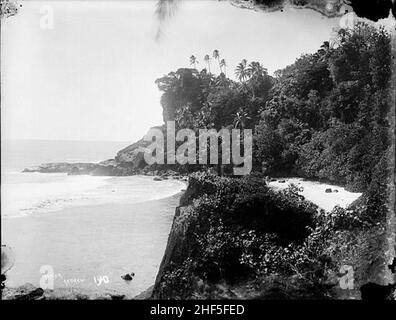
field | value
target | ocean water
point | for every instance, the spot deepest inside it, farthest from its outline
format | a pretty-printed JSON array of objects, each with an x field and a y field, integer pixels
[{"x": 85, "y": 228}]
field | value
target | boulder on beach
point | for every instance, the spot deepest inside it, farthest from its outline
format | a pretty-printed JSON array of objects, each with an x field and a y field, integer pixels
[
  {"x": 335, "y": 190},
  {"x": 328, "y": 190},
  {"x": 25, "y": 292},
  {"x": 128, "y": 276},
  {"x": 157, "y": 179},
  {"x": 282, "y": 181}
]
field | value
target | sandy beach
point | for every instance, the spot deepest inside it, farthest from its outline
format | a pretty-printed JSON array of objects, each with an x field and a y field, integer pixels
[
  {"x": 316, "y": 192},
  {"x": 91, "y": 247}
]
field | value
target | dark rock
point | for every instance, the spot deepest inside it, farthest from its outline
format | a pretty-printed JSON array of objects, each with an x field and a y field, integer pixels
[
  {"x": 31, "y": 295},
  {"x": 392, "y": 266},
  {"x": 63, "y": 167},
  {"x": 133, "y": 155},
  {"x": 282, "y": 181},
  {"x": 127, "y": 277},
  {"x": 157, "y": 179},
  {"x": 109, "y": 162},
  {"x": 328, "y": 190},
  {"x": 335, "y": 190},
  {"x": 374, "y": 291}
]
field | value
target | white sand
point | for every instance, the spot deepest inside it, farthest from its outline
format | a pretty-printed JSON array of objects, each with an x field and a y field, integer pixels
[{"x": 315, "y": 192}]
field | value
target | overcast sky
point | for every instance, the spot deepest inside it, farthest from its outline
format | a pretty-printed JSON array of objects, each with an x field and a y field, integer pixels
[{"x": 92, "y": 76}]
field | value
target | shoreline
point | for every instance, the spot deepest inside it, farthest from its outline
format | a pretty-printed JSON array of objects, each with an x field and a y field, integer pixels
[
  {"x": 142, "y": 293},
  {"x": 48, "y": 193},
  {"x": 129, "y": 247}
]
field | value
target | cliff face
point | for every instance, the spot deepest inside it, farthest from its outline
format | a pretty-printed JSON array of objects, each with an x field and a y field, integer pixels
[
  {"x": 132, "y": 157},
  {"x": 179, "y": 244},
  {"x": 174, "y": 249},
  {"x": 212, "y": 243},
  {"x": 214, "y": 253},
  {"x": 178, "y": 240}
]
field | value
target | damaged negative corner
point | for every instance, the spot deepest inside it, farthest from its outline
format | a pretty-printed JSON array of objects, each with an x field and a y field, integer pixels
[{"x": 9, "y": 8}]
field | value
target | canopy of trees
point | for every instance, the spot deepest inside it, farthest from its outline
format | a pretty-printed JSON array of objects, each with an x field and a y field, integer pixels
[{"x": 324, "y": 116}]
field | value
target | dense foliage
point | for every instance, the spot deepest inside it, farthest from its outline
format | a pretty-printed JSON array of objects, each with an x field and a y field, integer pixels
[
  {"x": 323, "y": 117},
  {"x": 236, "y": 229},
  {"x": 327, "y": 114},
  {"x": 239, "y": 235}
]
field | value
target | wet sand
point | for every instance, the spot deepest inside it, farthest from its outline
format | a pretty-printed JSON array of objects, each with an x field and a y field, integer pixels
[{"x": 91, "y": 247}]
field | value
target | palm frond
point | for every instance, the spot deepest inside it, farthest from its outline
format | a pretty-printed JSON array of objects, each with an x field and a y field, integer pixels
[{"x": 165, "y": 9}]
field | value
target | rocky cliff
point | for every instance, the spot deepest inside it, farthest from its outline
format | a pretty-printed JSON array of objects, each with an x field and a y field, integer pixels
[{"x": 217, "y": 233}]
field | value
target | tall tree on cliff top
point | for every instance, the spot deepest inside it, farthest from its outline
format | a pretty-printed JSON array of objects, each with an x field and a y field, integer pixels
[
  {"x": 207, "y": 60},
  {"x": 241, "y": 118},
  {"x": 193, "y": 61},
  {"x": 241, "y": 71},
  {"x": 216, "y": 56},
  {"x": 223, "y": 66}
]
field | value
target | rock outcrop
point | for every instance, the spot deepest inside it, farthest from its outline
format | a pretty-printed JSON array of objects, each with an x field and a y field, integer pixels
[
  {"x": 105, "y": 168},
  {"x": 133, "y": 155},
  {"x": 128, "y": 161}
]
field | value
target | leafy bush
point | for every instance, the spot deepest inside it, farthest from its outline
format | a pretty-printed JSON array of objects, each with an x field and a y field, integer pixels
[{"x": 240, "y": 228}]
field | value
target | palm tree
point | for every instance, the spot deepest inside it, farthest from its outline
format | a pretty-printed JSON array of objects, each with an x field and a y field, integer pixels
[
  {"x": 256, "y": 70},
  {"x": 165, "y": 9},
  {"x": 223, "y": 65},
  {"x": 256, "y": 73},
  {"x": 241, "y": 71},
  {"x": 216, "y": 55},
  {"x": 241, "y": 116},
  {"x": 207, "y": 60},
  {"x": 324, "y": 50},
  {"x": 194, "y": 61},
  {"x": 222, "y": 81}
]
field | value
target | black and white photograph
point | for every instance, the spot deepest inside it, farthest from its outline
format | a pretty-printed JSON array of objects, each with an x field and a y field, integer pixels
[{"x": 227, "y": 150}]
